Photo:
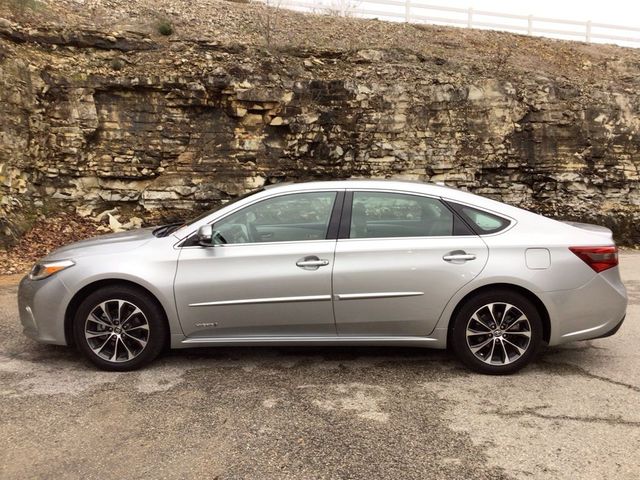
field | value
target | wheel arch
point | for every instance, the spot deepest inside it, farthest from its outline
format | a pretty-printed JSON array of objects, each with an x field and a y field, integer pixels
[
  {"x": 528, "y": 294},
  {"x": 80, "y": 295}
]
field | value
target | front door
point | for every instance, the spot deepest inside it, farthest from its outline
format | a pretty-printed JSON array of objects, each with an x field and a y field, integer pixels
[
  {"x": 270, "y": 277},
  {"x": 400, "y": 265}
]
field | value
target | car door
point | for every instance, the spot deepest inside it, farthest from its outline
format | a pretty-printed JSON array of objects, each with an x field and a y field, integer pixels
[
  {"x": 272, "y": 276},
  {"x": 398, "y": 262}
]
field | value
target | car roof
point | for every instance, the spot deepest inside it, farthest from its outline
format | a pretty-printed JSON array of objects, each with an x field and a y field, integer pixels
[
  {"x": 385, "y": 184},
  {"x": 406, "y": 185}
]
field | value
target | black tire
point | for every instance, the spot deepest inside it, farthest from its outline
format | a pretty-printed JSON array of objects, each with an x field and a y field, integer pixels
[
  {"x": 516, "y": 334},
  {"x": 154, "y": 336}
]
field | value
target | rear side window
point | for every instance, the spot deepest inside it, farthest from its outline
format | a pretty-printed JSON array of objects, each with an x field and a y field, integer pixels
[
  {"x": 384, "y": 215},
  {"x": 482, "y": 222}
]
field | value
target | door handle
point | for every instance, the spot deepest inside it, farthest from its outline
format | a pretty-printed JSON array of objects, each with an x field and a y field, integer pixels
[
  {"x": 312, "y": 262},
  {"x": 459, "y": 257}
]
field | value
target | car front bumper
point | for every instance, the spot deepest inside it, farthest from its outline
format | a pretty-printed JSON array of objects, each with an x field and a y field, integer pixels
[{"x": 42, "y": 305}]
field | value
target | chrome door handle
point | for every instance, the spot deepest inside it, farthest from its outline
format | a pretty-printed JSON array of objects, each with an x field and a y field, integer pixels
[
  {"x": 459, "y": 257},
  {"x": 312, "y": 262}
]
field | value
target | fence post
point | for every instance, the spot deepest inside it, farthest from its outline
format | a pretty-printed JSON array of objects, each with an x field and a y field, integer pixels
[
  {"x": 407, "y": 11},
  {"x": 588, "y": 35},
  {"x": 470, "y": 17},
  {"x": 530, "y": 25}
]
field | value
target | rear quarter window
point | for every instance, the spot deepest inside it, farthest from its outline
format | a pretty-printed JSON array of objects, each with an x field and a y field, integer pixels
[{"x": 482, "y": 222}]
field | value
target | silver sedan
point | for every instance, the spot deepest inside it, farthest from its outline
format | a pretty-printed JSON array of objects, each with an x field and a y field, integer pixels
[{"x": 334, "y": 263}]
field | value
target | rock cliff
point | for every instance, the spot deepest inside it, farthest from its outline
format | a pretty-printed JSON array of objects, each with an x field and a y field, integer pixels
[{"x": 98, "y": 110}]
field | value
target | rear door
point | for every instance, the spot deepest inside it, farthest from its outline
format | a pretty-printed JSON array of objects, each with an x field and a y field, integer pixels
[{"x": 399, "y": 259}]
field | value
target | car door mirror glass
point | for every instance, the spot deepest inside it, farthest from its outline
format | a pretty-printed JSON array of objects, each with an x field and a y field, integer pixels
[
  {"x": 208, "y": 236},
  {"x": 205, "y": 235}
]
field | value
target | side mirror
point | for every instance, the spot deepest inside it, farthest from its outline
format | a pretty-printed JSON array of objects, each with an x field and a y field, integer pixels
[
  {"x": 205, "y": 235},
  {"x": 209, "y": 237}
]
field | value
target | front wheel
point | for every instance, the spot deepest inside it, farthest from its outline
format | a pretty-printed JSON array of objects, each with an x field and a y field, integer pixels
[
  {"x": 497, "y": 332},
  {"x": 120, "y": 328}
]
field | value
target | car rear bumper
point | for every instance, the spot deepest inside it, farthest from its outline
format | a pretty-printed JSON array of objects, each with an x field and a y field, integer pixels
[
  {"x": 41, "y": 305},
  {"x": 591, "y": 311},
  {"x": 614, "y": 330}
]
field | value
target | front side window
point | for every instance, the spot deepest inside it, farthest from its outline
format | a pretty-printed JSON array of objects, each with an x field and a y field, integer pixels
[
  {"x": 383, "y": 215},
  {"x": 287, "y": 218}
]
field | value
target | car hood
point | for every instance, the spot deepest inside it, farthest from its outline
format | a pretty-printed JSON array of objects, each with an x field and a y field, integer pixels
[{"x": 110, "y": 243}]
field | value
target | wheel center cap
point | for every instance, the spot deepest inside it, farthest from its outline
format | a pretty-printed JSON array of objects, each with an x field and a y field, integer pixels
[
  {"x": 117, "y": 330},
  {"x": 497, "y": 333}
]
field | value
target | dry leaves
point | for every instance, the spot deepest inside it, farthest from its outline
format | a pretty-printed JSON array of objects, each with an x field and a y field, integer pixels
[{"x": 46, "y": 235}]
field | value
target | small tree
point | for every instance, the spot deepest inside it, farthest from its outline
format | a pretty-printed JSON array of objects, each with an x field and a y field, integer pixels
[
  {"x": 268, "y": 20},
  {"x": 23, "y": 9},
  {"x": 342, "y": 8}
]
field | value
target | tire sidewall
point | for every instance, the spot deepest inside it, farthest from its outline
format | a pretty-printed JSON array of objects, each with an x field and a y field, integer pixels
[
  {"x": 459, "y": 339},
  {"x": 155, "y": 317}
]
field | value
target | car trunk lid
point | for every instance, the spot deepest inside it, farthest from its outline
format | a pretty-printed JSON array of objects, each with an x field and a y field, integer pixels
[{"x": 590, "y": 227}]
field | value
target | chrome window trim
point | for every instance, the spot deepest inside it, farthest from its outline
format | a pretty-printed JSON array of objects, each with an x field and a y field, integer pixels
[
  {"x": 208, "y": 221},
  {"x": 410, "y": 193},
  {"x": 422, "y": 237},
  {"x": 512, "y": 221},
  {"x": 255, "y": 244}
]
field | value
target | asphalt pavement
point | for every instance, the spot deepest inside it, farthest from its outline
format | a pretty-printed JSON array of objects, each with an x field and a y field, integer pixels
[{"x": 311, "y": 413}]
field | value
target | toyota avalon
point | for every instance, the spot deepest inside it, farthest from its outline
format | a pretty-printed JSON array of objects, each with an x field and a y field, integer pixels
[{"x": 333, "y": 263}]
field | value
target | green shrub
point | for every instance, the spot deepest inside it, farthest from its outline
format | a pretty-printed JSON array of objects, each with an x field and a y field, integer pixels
[
  {"x": 22, "y": 4},
  {"x": 165, "y": 28},
  {"x": 21, "y": 7},
  {"x": 117, "y": 64}
]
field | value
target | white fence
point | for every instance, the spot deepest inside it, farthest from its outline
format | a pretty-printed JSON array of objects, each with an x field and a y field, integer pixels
[{"x": 418, "y": 12}]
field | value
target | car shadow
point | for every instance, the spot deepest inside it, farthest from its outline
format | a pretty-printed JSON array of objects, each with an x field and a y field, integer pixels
[{"x": 327, "y": 353}]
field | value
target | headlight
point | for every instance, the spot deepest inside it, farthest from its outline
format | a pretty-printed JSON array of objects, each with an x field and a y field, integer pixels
[{"x": 47, "y": 268}]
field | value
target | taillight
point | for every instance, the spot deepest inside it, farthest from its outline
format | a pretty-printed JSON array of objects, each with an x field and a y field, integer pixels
[{"x": 598, "y": 258}]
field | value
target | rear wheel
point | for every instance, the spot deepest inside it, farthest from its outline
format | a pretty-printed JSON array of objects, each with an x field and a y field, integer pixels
[
  {"x": 497, "y": 332},
  {"x": 120, "y": 328}
]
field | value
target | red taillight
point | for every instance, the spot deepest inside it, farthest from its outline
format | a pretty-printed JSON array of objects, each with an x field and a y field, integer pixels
[{"x": 598, "y": 258}]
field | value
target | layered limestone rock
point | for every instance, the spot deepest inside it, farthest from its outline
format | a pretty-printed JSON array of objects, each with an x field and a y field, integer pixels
[{"x": 79, "y": 131}]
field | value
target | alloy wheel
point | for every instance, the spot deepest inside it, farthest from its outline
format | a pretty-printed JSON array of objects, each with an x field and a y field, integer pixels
[
  {"x": 498, "y": 333},
  {"x": 117, "y": 330}
]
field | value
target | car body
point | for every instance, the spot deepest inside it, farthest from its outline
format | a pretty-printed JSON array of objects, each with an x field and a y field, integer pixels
[{"x": 338, "y": 262}]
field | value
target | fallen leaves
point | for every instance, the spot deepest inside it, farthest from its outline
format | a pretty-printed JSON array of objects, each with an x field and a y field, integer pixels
[{"x": 46, "y": 235}]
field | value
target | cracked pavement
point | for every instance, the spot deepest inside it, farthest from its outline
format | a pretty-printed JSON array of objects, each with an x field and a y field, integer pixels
[{"x": 303, "y": 413}]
